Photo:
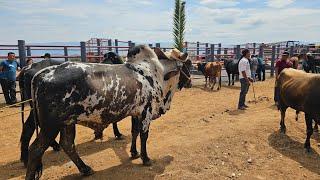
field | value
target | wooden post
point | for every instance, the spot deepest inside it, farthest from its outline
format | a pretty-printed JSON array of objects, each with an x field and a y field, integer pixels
[
  {"x": 158, "y": 45},
  {"x": 116, "y": 45},
  {"x": 273, "y": 59},
  {"x": 238, "y": 52},
  {"x": 65, "y": 49},
  {"x": 198, "y": 46},
  {"x": 261, "y": 51},
  {"x": 109, "y": 44},
  {"x": 254, "y": 48},
  {"x": 212, "y": 52},
  {"x": 22, "y": 52},
  {"x": 83, "y": 51},
  {"x": 28, "y": 51}
]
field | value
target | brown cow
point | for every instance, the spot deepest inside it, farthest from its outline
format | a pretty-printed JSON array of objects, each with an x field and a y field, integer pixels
[
  {"x": 213, "y": 71},
  {"x": 300, "y": 91}
]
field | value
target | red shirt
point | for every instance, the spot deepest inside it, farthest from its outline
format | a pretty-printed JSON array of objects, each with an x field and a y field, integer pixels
[{"x": 281, "y": 65}]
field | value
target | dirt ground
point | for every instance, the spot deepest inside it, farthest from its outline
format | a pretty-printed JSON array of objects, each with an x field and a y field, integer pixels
[{"x": 203, "y": 136}]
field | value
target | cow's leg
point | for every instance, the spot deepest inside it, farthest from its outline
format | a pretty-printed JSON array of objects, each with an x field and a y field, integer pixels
[
  {"x": 36, "y": 151},
  {"x": 67, "y": 135},
  {"x": 206, "y": 78},
  {"x": 135, "y": 129},
  {"x": 282, "y": 124},
  {"x": 144, "y": 155},
  {"x": 316, "y": 129},
  {"x": 308, "y": 120},
  {"x": 98, "y": 133},
  {"x": 27, "y": 132},
  {"x": 229, "y": 79},
  {"x": 297, "y": 115},
  {"x": 214, "y": 82},
  {"x": 116, "y": 131},
  {"x": 232, "y": 79}
]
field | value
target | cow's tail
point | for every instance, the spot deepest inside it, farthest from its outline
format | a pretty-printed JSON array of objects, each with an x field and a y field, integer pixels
[{"x": 34, "y": 90}]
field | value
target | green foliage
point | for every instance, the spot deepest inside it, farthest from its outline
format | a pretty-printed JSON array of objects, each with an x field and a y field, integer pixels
[{"x": 179, "y": 22}]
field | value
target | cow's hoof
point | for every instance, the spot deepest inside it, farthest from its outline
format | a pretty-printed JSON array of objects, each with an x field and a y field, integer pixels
[
  {"x": 119, "y": 137},
  {"x": 147, "y": 162},
  {"x": 87, "y": 171},
  {"x": 135, "y": 155},
  {"x": 283, "y": 130}
]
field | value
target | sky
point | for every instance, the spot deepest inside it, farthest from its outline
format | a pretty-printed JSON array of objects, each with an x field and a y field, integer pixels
[{"x": 147, "y": 21}]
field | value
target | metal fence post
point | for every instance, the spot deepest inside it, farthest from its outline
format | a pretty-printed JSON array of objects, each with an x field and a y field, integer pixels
[
  {"x": 150, "y": 45},
  {"x": 238, "y": 52},
  {"x": 254, "y": 48},
  {"x": 116, "y": 45},
  {"x": 278, "y": 51},
  {"x": 225, "y": 51},
  {"x": 186, "y": 46},
  {"x": 99, "y": 48},
  {"x": 212, "y": 52},
  {"x": 22, "y": 52},
  {"x": 65, "y": 49},
  {"x": 219, "y": 49},
  {"x": 110, "y": 44},
  {"x": 83, "y": 51},
  {"x": 273, "y": 59},
  {"x": 28, "y": 51},
  {"x": 158, "y": 45},
  {"x": 207, "y": 51},
  {"x": 198, "y": 50},
  {"x": 130, "y": 44},
  {"x": 133, "y": 44},
  {"x": 291, "y": 50}
]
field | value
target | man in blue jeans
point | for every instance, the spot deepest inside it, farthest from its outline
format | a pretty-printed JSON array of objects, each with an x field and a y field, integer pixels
[
  {"x": 244, "y": 76},
  {"x": 8, "y": 72}
]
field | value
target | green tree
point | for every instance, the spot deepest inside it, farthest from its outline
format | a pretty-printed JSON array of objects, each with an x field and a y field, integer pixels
[{"x": 179, "y": 22}]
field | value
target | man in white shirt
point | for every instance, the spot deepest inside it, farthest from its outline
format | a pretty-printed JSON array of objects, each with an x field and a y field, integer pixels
[{"x": 244, "y": 76}]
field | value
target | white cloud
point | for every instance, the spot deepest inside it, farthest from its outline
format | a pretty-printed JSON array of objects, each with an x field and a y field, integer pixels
[
  {"x": 219, "y": 3},
  {"x": 279, "y": 3}
]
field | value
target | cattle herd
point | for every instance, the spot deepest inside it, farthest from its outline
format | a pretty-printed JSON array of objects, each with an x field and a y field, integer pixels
[{"x": 97, "y": 95}]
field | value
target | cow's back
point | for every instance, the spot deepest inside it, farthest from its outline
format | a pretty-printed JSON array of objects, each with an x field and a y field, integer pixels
[{"x": 300, "y": 90}]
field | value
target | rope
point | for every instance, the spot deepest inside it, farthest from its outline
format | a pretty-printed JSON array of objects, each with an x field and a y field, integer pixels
[
  {"x": 16, "y": 113},
  {"x": 12, "y": 105}
]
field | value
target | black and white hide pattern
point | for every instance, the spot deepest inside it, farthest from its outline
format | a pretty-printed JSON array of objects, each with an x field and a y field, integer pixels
[{"x": 97, "y": 95}]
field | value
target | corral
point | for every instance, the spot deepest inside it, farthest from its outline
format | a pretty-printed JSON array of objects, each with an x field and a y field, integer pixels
[{"x": 203, "y": 136}]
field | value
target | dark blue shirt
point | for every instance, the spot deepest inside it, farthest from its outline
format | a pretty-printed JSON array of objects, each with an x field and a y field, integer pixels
[{"x": 9, "y": 69}]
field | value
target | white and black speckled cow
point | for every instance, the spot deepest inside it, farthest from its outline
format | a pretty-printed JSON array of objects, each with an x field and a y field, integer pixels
[
  {"x": 25, "y": 78},
  {"x": 97, "y": 95}
]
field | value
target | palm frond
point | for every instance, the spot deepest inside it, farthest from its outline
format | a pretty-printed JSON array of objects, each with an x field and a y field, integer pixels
[{"x": 179, "y": 22}]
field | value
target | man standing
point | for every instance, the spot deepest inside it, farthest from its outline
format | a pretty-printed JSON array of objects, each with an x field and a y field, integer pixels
[
  {"x": 261, "y": 69},
  {"x": 280, "y": 66},
  {"x": 244, "y": 75},
  {"x": 8, "y": 72}
]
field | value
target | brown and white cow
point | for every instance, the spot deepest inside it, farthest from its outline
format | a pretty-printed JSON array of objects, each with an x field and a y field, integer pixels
[
  {"x": 300, "y": 91},
  {"x": 99, "y": 94}
]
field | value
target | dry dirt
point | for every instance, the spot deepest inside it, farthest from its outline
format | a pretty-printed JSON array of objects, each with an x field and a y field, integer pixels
[{"x": 203, "y": 136}]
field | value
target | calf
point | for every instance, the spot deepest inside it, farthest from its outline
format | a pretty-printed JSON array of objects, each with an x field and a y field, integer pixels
[
  {"x": 212, "y": 70},
  {"x": 98, "y": 94},
  {"x": 300, "y": 91}
]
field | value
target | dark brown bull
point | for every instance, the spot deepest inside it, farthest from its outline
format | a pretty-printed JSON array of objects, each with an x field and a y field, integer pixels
[
  {"x": 300, "y": 91},
  {"x": 212, "y": 70}
]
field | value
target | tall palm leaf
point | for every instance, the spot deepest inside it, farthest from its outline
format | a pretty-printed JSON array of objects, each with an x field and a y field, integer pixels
[{"x": 179, "y": 22}]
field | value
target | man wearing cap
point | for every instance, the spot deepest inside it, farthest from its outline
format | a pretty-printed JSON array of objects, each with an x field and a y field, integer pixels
[
  {"x": 8, "y": 73},
  {"x": 280, "y": 66}
]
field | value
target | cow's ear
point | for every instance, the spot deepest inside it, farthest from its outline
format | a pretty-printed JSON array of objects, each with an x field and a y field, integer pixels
[
  {"x": 170, "y": 74},
  {"x": 160, "y": 53},
  {"x": 184, "y": 56}
]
